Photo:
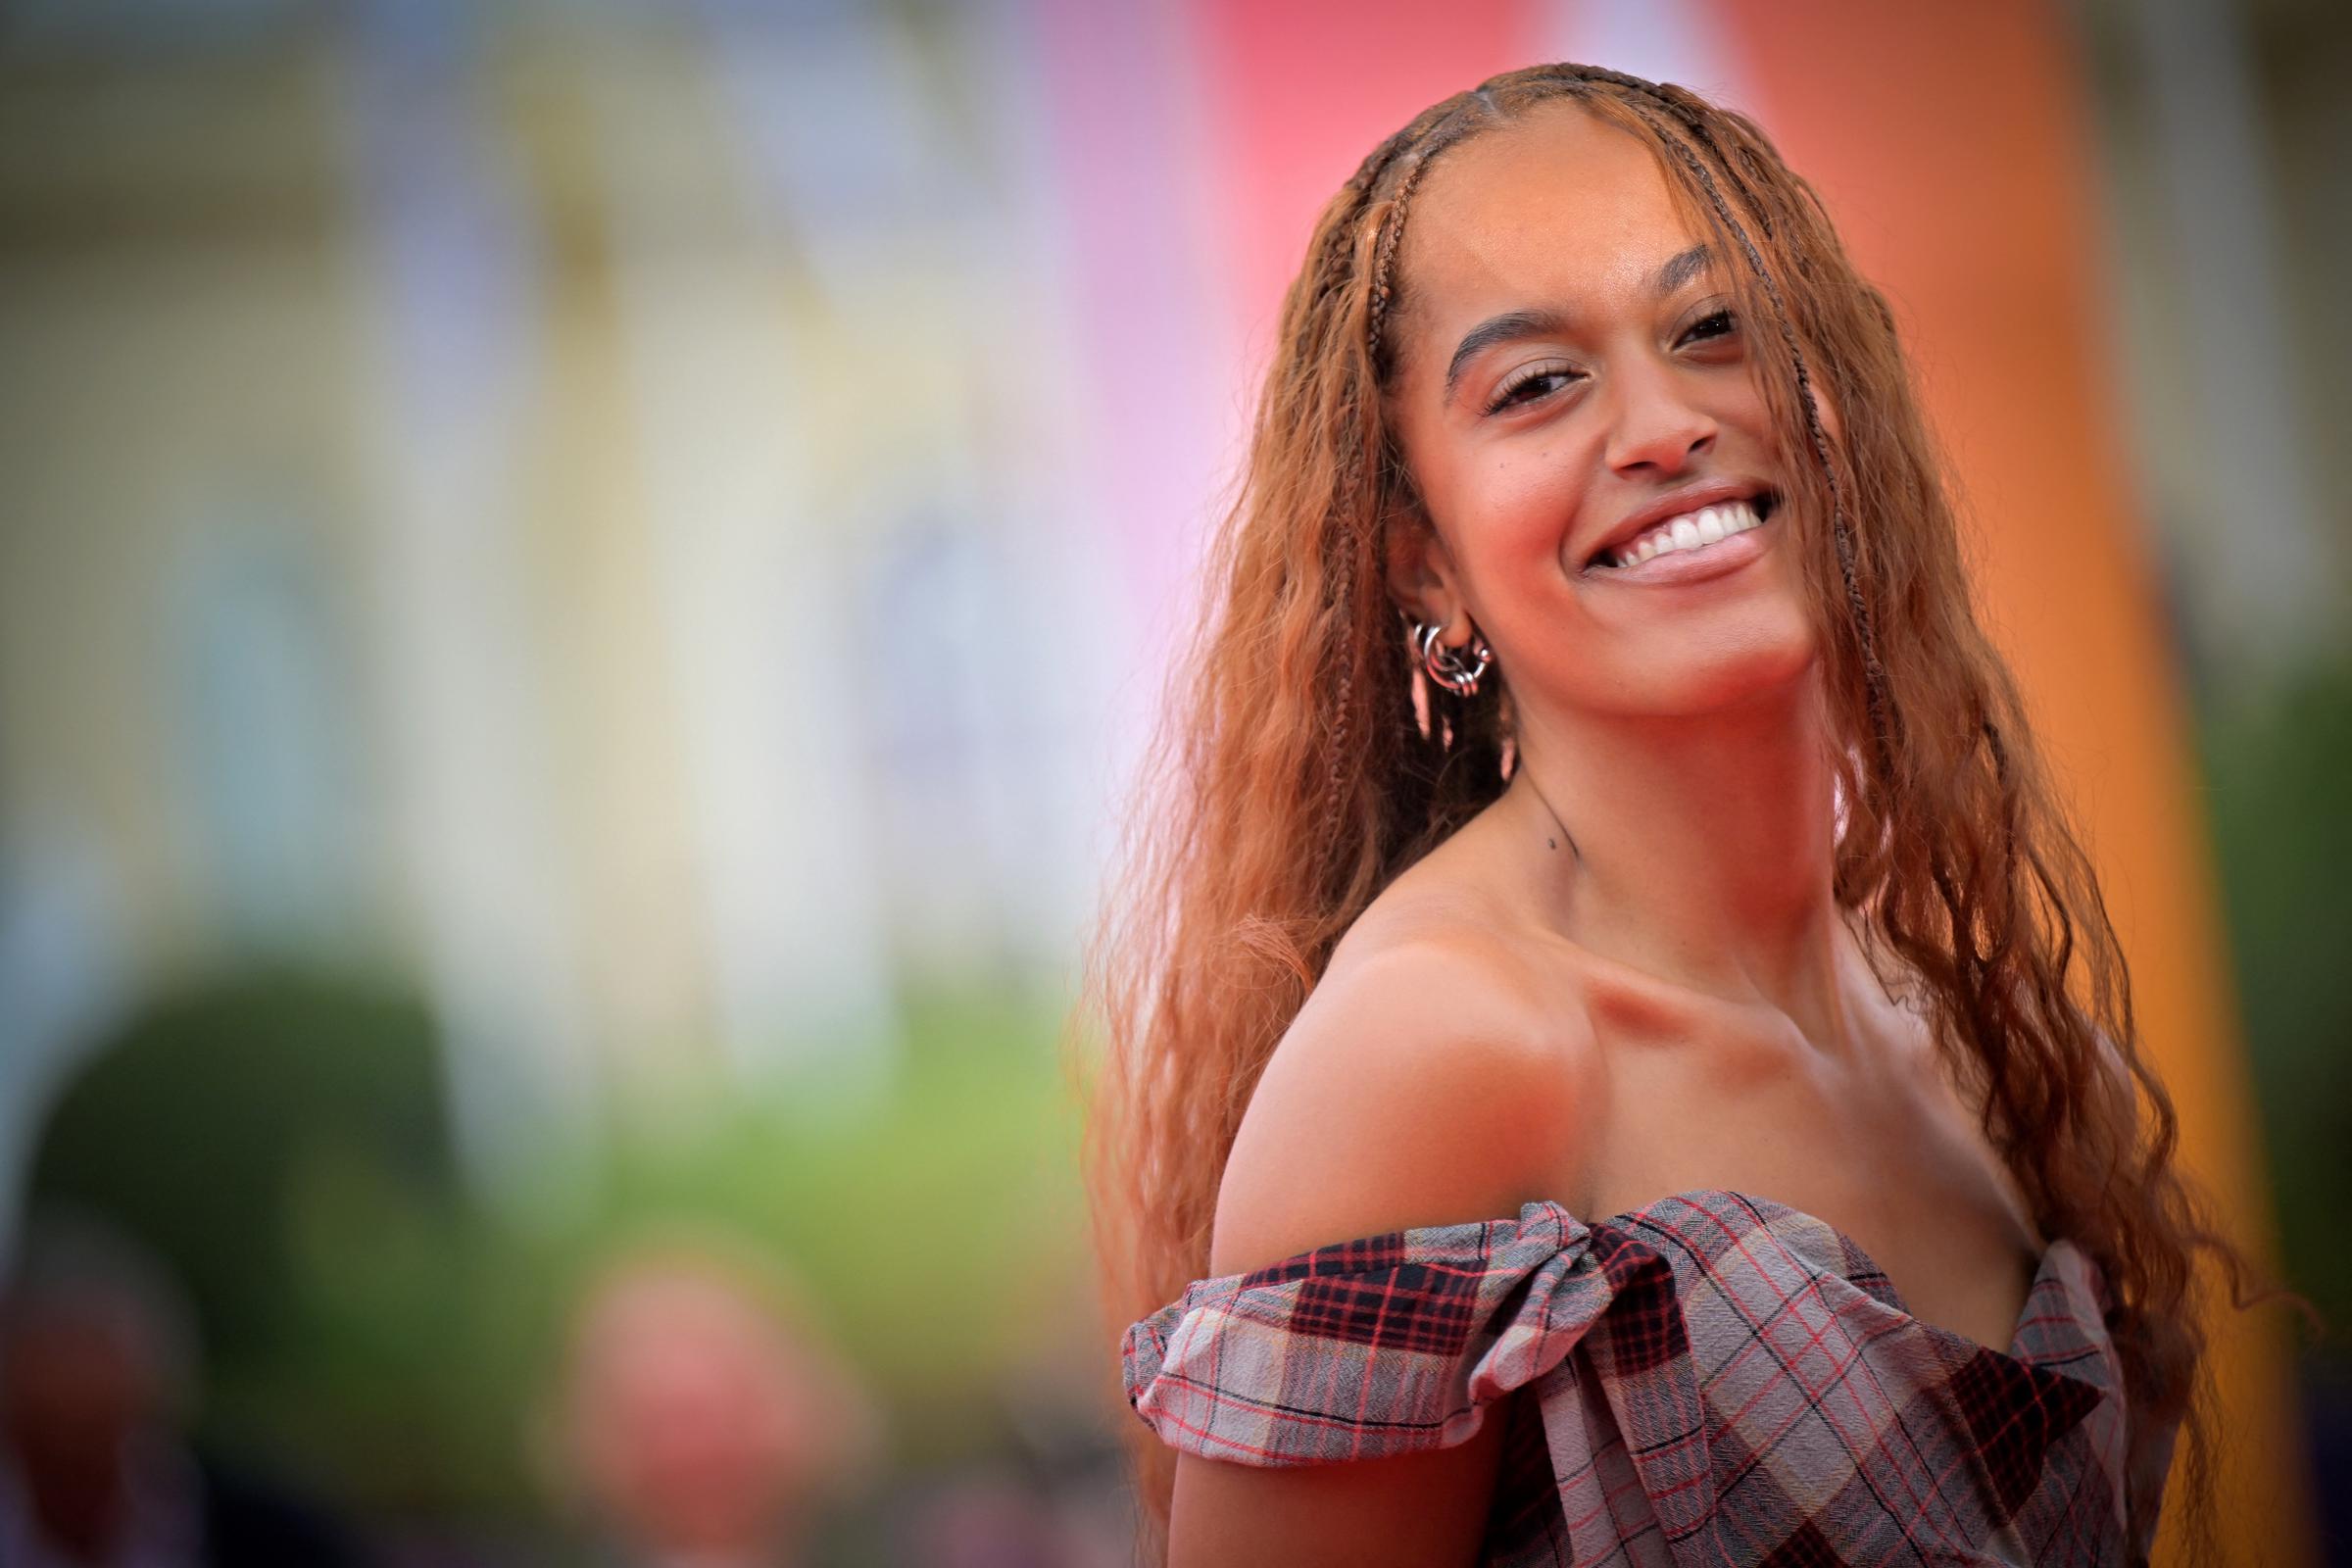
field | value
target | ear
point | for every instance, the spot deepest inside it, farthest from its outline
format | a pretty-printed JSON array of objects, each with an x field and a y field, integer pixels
[{"x": 1422, "y": 580}]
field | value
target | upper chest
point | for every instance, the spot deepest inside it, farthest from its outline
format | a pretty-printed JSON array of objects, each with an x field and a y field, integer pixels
[{"x": 1876, "y": 1140}]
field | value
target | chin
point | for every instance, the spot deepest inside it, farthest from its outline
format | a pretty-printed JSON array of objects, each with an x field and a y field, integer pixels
[{"x": 1742, "y": 670}]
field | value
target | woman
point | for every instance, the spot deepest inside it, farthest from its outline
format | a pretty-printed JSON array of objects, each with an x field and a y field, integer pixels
[{"x": 1594, "y": 797}]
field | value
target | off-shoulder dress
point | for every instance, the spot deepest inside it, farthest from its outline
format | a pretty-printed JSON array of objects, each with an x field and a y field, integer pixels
[{"x": 1714, "y": 1378}]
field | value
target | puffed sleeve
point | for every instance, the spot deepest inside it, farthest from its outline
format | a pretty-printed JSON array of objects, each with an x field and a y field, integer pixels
[{"x": 1380, "y": 1346}]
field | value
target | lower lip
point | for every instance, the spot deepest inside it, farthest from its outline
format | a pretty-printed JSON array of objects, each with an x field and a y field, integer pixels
[{"x": 1728, "y": 554}]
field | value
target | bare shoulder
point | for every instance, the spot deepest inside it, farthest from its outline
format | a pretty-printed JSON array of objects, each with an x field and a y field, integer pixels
[{"x": 1432, "y": 1077}]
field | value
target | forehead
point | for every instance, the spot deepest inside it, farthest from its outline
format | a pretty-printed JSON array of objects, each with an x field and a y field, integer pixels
[{"x": 1557, "y": 208}]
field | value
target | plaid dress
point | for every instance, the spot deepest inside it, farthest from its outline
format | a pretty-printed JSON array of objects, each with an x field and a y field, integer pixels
[{"x": 1716, "y": 1378}]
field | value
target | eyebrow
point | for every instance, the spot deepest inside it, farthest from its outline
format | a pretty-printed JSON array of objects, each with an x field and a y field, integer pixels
[
  {"x": 1681, "y": 270},
  {"x": 1508, "y": 328},
  {"x": 1513, "y": 325}
]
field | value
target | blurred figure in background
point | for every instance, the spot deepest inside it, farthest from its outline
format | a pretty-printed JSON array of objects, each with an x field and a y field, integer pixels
[
  {"x": 98, "y": 1368},
  {"x": 701, "y": 1418}
]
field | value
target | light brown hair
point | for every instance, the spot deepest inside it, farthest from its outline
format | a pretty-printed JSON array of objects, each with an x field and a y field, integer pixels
[{"x": 1292, "y": 784}]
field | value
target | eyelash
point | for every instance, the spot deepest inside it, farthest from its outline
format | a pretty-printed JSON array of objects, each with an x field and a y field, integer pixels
[{"x": 1509, "y": 393}]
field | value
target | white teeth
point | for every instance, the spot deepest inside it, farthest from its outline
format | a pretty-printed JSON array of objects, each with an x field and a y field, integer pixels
[{"x": 1691, "y": 531}]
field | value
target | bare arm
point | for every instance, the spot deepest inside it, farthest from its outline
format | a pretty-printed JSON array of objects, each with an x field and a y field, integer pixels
[{"x": 1416, "y": 1089}]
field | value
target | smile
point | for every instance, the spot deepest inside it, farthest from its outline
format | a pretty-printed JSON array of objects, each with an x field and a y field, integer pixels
[{"x": 1705, "y": 543}]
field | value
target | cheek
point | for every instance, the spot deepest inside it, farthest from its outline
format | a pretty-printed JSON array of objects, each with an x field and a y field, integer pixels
[{"x": 1522, "y": 520}]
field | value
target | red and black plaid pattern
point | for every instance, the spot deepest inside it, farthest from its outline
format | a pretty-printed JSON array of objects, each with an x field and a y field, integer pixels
[{"x": 1714, "y": 1378}]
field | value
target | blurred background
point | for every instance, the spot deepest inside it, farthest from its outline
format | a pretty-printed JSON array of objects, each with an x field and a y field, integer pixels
[{"x": 580, "y": 583}]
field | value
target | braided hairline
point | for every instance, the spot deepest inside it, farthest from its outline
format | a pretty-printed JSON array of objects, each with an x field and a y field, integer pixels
[
  {"x": 1384, "y": 254},
  {"x": 1432, "y": 140},
  {"x": 1437, "y": 129}
]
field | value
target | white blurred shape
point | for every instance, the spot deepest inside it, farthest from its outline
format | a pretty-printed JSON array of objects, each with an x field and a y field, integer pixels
[{"x": 449, "y": 279}]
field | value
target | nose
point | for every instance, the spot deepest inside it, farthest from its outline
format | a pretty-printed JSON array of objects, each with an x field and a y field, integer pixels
[{"x": 1657, "y": 426}]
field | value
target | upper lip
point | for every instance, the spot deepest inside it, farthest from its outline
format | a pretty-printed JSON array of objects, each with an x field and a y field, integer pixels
[{"x": 1673, "y": 504}]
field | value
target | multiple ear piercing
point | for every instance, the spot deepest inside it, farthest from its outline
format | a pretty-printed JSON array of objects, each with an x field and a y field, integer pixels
[
  {"x": 1458, "y": 670},
  {"x": 1446, "y": 665}
]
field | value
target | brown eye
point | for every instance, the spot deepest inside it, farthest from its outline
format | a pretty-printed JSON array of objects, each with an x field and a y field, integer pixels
[
  {"x": 1719, "y": 323},
  {"x": 1528, "y": 385}
]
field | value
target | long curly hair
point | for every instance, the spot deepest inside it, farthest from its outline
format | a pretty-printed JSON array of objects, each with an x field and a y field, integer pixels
[{"x": 1291, "y": 782}]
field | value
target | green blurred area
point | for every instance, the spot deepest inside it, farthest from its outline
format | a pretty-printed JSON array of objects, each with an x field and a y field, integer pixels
[
  {"x": 278, "y": 1140},
  {"x": 2277, "y": 768}
]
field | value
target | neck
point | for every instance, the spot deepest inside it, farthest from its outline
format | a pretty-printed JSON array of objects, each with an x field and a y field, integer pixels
[{"x": 1696, "y": 849}]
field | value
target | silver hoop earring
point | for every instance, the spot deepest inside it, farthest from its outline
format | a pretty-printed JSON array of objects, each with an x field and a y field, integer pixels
[{"x": 1445, "y": 665}]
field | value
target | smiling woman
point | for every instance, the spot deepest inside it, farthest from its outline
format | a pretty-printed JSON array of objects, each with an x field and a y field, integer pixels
[{"x": 1636, "y": 1069}]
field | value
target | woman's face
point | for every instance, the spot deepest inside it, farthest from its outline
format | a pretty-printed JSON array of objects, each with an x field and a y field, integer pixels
[{"x": 1568, "y": 374}]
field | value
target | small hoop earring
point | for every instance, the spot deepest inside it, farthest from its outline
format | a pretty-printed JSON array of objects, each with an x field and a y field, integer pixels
[{"x": 1445, "y": 665}]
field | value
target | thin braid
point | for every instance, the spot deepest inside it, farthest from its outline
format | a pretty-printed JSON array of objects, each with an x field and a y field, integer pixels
[
  {"x": 1391, "y": 228},
  {"x": 1344, "y": 580},
  {"x": 1335, "y": 775},
  {"x": 1338, "y": 256},
  {"x": 1420, "y": 142},
  {"x": 1430, "y": 143},
  {"x": 1873, "y": 675}
]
